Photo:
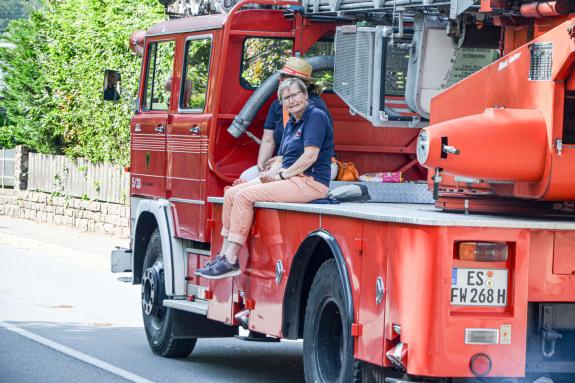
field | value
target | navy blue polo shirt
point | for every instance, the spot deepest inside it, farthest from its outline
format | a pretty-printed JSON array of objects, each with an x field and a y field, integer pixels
[
  {"x": 313, "y": 129},
  {"x": 274, "y": 119}
]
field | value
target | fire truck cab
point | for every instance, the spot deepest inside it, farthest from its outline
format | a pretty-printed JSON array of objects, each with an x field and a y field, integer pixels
[{"x": 414, "y": 286}]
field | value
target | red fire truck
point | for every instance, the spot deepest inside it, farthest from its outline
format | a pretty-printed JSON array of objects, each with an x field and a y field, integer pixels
[{"x": 462, "y": 274}]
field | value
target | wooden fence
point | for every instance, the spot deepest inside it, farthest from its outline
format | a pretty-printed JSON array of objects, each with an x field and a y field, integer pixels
[
  {"x": 60, "y": 175},
  {"x": 7, "y": 167}
]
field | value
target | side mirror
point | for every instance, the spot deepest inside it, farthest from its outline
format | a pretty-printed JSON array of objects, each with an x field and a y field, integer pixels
[{"x": 111, "y": 88}]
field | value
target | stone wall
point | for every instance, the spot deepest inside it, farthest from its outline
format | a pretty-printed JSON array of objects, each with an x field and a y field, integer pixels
[{"x": 93, "y": 216}]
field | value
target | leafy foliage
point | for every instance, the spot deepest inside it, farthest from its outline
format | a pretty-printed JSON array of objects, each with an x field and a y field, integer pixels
[
  {"x": 325, "y": 77},
  {"x": 14, "y": 9},
  {"x": 53, "y": 75},
  {"x": 159, "y": 76},
  {"x": 263, "y": 56},
  {"x": 197, "y": 66}
]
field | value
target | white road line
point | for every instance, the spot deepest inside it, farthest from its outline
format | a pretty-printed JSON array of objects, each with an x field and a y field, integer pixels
[{"x": 75, "y": 354}]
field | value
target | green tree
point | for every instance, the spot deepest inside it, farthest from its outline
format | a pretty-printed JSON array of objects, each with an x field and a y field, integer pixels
[
  {"x": 262, "y": 57},
  {"x": 14, "y": 9},
  {"x": 53, "y": 95}
]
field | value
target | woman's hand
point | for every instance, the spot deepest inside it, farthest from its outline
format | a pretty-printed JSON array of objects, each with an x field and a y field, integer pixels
[
  {"x": 271, "y": 175},
  {"x": 266, "y": 177}
]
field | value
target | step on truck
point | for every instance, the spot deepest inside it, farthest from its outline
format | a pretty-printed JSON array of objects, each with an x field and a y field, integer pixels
[{"x": 464, "y": 272}]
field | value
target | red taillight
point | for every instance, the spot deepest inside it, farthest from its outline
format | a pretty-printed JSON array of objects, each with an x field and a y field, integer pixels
[
  {"x": 483, "y": 251},
  {"x": 480, "y": 364}
]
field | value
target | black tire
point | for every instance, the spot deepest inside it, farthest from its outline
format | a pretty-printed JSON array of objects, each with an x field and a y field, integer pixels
[
  {"x": 327, "y": 343},
  {"x": 159, "y": 321}
]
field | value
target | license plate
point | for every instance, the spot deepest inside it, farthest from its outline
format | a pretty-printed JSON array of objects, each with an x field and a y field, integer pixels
[{"x": 478, "y": 287}]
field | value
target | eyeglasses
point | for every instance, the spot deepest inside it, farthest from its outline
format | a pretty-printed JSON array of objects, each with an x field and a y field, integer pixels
[{"x": 290, "y": 97}]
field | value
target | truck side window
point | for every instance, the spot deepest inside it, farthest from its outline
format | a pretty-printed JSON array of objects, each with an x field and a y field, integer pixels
[
  {"x": 261, "y": 57},
  {"x": 323, "y": 47},
  {"x": 196, "y": 67},
  {"x": 159, "y": 75}
]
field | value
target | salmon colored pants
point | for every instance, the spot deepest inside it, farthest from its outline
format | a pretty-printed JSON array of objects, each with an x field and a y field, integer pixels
[{"x": 238, "y": 211}]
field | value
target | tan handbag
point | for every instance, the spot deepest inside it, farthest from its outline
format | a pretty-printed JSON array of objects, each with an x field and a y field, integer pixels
[{"x": 346, "y": 171}]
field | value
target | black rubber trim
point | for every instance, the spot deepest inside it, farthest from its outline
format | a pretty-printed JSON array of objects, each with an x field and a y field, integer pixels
[
  {"x": 341, "y": 268},
  {"x": 171, "y": 250}
]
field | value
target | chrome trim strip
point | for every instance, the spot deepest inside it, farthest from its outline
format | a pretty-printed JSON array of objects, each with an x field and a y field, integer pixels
[
  {"x": 191, "y": 201},
  {"x": 146, "y": 175},
  {"x": 198, "y": 251},
  {"x": 193, "y": 307},
  {"x": 187, "y": 30},
  {"x": 187, "y": 179}
]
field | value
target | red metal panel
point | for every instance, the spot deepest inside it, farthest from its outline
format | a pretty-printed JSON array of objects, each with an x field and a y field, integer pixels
[
  {"x": 261, "y": 20},
  {"x": 419, "y": 287},
  {"x": 189, "y": 220},
  {"x": 544, "y": 284},
  {"x": 371, "y": 314},
  {"x": 258, "y": 275},
  {"x": 221, "y": 304},
  {"x": 187, "y": 168},
  {"x": 148, "y": 155},
  {"x": 298, "y": 227},
  {"x": 564, "y": 246}
]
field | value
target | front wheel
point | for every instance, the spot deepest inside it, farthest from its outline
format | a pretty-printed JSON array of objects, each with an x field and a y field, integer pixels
[
  {"x": 159, "y": 321},
  {"x": 327, "y": 343}
]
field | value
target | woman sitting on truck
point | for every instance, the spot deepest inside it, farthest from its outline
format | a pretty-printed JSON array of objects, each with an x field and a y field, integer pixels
[
  {"x": 274, "y": 124},
  {"x": 306, "y": 150}
]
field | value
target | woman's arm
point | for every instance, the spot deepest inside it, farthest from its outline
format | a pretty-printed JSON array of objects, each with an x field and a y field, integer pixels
[
  {"x": 266, "y": 148},
  {"x": 304, "y": 161}
]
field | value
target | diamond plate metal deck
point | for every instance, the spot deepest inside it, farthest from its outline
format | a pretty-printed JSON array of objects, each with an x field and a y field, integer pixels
[{"x": 393, "y": 192}]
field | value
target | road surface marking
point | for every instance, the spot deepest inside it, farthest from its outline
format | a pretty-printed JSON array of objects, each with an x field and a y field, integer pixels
[{"x": 75, "y": 354}]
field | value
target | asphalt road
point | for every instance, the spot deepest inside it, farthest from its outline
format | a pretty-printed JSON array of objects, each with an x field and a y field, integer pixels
[{"x": 65, "y": 318}]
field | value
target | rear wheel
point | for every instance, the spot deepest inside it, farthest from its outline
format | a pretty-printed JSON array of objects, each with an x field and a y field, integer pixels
[
  {"x": 328, "y": 345},
  {"x": 159, "y": 321}
]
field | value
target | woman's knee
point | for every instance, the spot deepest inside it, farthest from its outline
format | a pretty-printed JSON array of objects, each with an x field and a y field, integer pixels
[
  {"x": 244, "y": 197},
  {"x": 230, "y": 194}
]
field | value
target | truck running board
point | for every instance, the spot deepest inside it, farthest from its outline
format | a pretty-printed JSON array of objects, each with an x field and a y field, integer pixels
[{"x": 197, "y": 307}]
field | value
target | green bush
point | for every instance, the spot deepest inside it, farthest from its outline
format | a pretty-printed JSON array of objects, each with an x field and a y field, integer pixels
[
  {"x": 15, "y": 9},
  {"x": 54, "y": 72}
]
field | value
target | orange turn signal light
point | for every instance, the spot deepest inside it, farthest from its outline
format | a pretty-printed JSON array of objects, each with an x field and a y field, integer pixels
[{"x": 483, "y": 251}]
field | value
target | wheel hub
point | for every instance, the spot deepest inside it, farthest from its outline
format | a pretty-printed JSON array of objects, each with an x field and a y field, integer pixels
[{"x": 150, "y": 283}]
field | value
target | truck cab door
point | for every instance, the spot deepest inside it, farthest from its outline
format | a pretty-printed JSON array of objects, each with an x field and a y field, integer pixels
[
  {"x": 187, "y": 139},
  {"x": 149, "y": 127}
]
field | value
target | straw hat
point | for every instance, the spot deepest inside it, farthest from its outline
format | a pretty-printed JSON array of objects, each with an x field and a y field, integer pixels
[{"x": 296, "y": 67}]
